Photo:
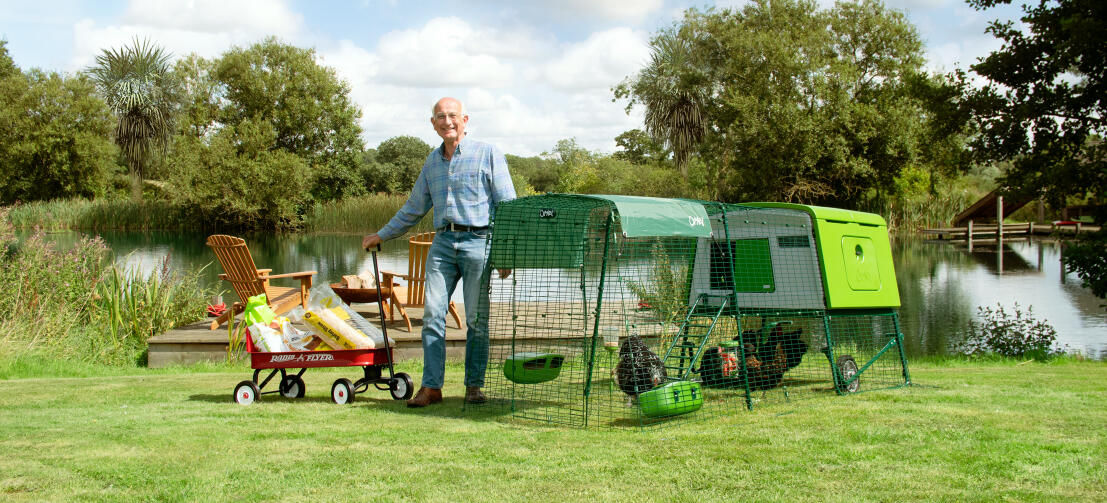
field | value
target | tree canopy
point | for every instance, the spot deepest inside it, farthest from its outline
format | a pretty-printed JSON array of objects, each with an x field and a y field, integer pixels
[
  {"x": 1045, "y": 106},
  {"x": 306, "y": 103},
  {"x": 54, "y": 136},
  {"x": 1044, "y": 111},
  {"x": 783, "y": 101}
]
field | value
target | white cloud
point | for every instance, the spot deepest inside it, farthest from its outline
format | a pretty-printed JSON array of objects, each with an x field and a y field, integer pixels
[
  {"x": 600, "y": 62},
  {"x": 204, "y": 27},
  {"x": 254, "y": 17},
  {"x": 444, "y": 52},
  {"x": 630, "y": 11}
]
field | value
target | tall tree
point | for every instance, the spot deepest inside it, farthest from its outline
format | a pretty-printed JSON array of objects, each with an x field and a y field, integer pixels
[
  {"x": 1045, "y": 111},
  {"x": 54, "y": 136},
  {"x": 307, "y": 104},
  {"x": 675, "y": 90},
  {"x": 135, "y": 81},
  {"x": 784, "y": 101},
  {"x": 404, "y": 157},
  {"x": 1045, "y": 106}
]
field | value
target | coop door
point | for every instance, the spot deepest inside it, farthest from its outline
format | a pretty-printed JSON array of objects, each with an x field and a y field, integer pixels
[{"x": 859, "y": 254}]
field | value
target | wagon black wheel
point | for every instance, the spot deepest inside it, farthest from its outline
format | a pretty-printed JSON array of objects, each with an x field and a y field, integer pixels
[
  {"x": 847, "y": 367},
  {"x": 342, "y": 391},
  {"x": 401, "y": 386},
  {"x": 292, "y": 386},
  {"x": 246, "y": 393}
]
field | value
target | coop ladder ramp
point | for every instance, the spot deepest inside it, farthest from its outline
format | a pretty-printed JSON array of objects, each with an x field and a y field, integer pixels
[{"x": 695, "y": 331}]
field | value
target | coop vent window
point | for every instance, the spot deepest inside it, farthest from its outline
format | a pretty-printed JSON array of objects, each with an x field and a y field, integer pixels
[
  {"x": 751, "y": 261},
  {"x": 793, "y": 241}
]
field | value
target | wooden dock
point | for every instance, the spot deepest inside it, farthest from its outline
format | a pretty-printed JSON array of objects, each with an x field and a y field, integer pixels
[
  {"x": 195, "y": 342},
  {"x": 1009, "y": 231},
  {"x": 549, "y": 322}
]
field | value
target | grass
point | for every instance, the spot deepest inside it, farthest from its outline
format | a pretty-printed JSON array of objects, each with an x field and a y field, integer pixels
[
  {"x": 969, "y": 431},
  {"x": 100, "y": 214},
  {"x": 356, "y": 214}
]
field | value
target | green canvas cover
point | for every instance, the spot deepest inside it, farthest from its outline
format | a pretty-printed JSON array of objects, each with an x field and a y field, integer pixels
[{"x": 655, "y": 216}]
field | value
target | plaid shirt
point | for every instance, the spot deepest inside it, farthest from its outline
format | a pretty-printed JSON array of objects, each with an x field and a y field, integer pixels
[{"x": 463, "y": 190}]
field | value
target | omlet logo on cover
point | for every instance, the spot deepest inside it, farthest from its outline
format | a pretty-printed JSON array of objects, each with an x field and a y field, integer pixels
[
  {"x": 547, "y": 213},
  {"x": 694, "y": 221}
]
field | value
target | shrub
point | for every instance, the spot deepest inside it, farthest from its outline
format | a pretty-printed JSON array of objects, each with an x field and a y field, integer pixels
[
  {"x": 76, "y": 305},
  {"x": 1015, "y": 334}
]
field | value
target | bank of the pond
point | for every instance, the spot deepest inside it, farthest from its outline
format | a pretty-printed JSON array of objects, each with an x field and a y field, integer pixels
[
  {"x": 354, "y": 214},
  {"x": 967, "y": 431}
]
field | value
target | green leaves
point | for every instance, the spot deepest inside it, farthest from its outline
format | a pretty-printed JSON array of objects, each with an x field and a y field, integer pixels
[
  {"x": 786, "y": 102},
  {"x": 53, "y": 136},
  {"x": 136, "y": 82}
]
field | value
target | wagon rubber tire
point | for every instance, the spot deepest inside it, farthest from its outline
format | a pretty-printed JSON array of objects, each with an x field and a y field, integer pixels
[
  {"x": 292, "y": 387},
  {"x": 246, "y": 393},
  {"x": 401, "y": 386},
  {"x": 342, "y": 391},
  {"x": 847, "y": 368}
]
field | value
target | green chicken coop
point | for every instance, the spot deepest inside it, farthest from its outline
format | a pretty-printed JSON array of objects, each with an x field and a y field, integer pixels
[{"x": 636, "y": 311}]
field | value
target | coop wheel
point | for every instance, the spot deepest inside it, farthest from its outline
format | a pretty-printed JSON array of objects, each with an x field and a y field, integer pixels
[
  {"x": 292, "y": 387},
  {"x": 246, "y": 393},
  {"x": 401, "y": 386},
  {"x": 847, "y": 367},
  {"x": 342, "y": 391}
]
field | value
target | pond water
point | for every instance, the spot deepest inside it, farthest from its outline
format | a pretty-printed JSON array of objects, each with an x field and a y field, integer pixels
[{"x": 941, "y": 284}]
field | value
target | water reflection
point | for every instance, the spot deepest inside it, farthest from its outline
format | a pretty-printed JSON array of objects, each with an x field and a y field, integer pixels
[{"x": 941, "y": 284}]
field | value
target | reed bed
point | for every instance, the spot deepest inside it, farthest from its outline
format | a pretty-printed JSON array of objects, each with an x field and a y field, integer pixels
[
  {"x": 356, "y": 214},
  {"x": 76, "y": 305},
  {"x": 924, "y": 211},
  {"x": 101, "y": 214}
]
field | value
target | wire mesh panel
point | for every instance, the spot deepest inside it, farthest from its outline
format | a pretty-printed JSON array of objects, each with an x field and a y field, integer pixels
[{"x": 604, "y": 324}]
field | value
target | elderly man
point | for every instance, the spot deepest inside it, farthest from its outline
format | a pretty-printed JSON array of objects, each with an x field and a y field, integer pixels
[{"x": 462, "y": 180}]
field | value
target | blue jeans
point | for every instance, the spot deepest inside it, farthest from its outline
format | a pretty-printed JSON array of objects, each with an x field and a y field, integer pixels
[{"x": 455, "y": 256}]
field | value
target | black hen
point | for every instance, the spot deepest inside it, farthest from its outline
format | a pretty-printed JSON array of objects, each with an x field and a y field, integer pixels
[
  {"x": 779, "y": 353},
  {"x": 639, "y": 369}
]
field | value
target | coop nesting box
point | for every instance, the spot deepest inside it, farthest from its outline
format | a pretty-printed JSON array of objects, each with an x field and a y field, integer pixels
[{"x": 730, "y": 306}]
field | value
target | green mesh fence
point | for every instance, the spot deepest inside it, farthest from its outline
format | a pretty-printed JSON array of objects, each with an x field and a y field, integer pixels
[{"x": 606, "y": 324}]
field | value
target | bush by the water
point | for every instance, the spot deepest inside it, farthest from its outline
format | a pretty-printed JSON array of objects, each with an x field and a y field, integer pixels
[
  {"x": 77, "y": 305},
  {"x": 1015, "y": 333}
]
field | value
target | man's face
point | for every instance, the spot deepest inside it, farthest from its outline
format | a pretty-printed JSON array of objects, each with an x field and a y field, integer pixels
[{"x": 448, "y": 120}]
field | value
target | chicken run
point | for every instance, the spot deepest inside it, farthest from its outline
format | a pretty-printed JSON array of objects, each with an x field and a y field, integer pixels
[{"x": 635, "y": 311}]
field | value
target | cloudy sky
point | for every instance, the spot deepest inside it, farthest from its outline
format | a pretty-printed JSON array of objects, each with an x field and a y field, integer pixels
[{"x": 530, "y": 73}]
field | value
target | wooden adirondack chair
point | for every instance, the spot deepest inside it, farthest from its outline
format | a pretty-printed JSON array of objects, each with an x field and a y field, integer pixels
[
  {"x": 247, "y": 280},
  {"x": 414, "y": 295}
]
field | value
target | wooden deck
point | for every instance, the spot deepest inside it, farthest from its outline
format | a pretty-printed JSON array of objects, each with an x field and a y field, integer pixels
[
  {"x": 195, "y": 342},
  {"x": 549, "y": 322},
  {"x": 1010, "y": 231}
]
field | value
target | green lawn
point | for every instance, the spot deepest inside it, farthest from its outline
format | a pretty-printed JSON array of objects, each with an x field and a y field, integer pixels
[{"x": 965, "y": 432}]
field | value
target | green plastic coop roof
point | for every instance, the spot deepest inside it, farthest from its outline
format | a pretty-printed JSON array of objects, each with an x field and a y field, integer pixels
[{"x": 654, "y": 216}]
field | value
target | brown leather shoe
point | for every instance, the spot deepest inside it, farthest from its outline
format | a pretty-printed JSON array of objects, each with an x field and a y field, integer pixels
[
  {"x": 425, "y": 397},
  {"x": 473, "y": 395}
]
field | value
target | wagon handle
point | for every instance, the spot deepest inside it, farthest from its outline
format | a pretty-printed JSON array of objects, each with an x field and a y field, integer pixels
[{"x": 380, "y": 306}]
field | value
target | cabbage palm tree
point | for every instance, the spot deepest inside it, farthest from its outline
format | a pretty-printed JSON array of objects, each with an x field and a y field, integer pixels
[
  {"x": 675, "y": 97},
  {"x": 135, "y": 82}
]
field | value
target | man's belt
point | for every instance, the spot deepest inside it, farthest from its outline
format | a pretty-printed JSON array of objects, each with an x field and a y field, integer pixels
[{"x": 450, "y": 227}]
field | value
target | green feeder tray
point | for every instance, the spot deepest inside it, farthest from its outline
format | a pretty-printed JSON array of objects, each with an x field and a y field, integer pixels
[
  {"x": 533, "y": 368},
  {"x": 680, "y": 397}
]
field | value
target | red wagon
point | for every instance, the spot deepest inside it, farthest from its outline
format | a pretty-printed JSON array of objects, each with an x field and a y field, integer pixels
[{"x": 291, "y": 385}]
